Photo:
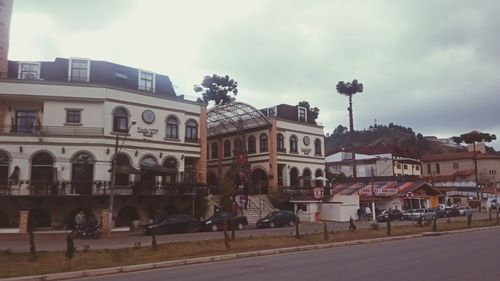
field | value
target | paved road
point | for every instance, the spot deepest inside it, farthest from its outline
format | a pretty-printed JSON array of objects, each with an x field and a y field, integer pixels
[
  {"x": 456, "y": 257},
  {"x": 46, "y": 242}
]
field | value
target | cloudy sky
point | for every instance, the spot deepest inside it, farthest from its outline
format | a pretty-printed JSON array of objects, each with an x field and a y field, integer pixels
[{"x": 432, "y": 65}]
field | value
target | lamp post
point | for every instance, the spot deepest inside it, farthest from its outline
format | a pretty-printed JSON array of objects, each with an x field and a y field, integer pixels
[{"x": 118, "y": 148}]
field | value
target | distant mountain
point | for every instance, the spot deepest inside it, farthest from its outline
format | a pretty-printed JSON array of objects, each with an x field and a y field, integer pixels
[{"x": 401, "y": 138}]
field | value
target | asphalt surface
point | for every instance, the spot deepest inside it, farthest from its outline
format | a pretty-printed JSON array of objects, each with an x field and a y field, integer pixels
[
  {"x": 56, "y": 241},
  {"x": 458, "y": 257}
]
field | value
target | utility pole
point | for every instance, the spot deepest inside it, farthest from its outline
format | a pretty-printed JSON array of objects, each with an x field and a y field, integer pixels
[{"x": 373, "y": 198}]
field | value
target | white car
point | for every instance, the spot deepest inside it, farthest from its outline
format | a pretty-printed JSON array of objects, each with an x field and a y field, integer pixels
[{"x": 464, "y": 211}]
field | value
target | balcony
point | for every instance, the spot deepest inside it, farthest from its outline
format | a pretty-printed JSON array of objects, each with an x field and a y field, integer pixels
[{"x": 51, "y": 131}]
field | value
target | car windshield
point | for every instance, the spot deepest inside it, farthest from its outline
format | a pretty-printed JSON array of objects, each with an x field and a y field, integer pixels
[{"x": 273, "y": 214}]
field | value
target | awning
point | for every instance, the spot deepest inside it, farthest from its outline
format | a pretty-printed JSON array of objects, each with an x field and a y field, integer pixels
[
  {"x": 126, "y": 169},
  {"x": 158, "y": 170}
]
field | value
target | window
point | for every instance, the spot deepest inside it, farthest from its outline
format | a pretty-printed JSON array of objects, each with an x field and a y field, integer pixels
[
  {"x": 429, "y": 170},
  {"x": 146, "y": 81},
  {"x": 455, "y": 165},
  {"x": 302, "y": 114},
  {"x": 215, "y": 150},
  {"x": 29, "y": 70},
  {"x": 191, "y": 130},
  {"x": 263, "y": 143},
  {"x": 238, "y": 145},
  {"x": 120, "y": 120},
  {"x": 25, "y": 121},
  {"x": 293, "y": 144},
  {"x": 73, "y": 116},
  {"x": 227, "y": 148},
  {"x": 4, "y": 169},
  {"x": 317, "y": 147},
  {"x": 405, "y": 167},
  {"x": 417, "y": 168},
  {"x": 281, "y": 143},
  {"x": 251, "y": 144},
  {"x": 79, "y": 70},
  {"x": 492, "y": 172},
  {"x": 437, "y": 169},
  {"x": 122, "y": 179},
  {"x": 172, "y": 128}
]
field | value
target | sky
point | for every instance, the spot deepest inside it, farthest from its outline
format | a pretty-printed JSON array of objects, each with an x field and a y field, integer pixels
[{"x": 432, "y": 65}]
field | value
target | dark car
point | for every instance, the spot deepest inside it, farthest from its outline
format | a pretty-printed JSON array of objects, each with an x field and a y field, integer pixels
[
  {"x": 278, "y": 218},
  {"x": 216, "y": 222},
  {"x": 440, "y": 213},
  {"x": 173, "y": 224},
  {"x": 452, "y": 212},
  {"x": 396, "y": 215}
]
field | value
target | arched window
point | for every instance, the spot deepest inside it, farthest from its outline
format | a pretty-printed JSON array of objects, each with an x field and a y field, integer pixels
[
  {"x": 281, "y": 143},
  {"x": 148, "y": 162},
  {"x": 172, "y": 128},
  {"x": 120, "y": 120},
  {"x": 306, "y": 176},
  {"x": 251, "y": 144},
  {"x": 82, "y": 173},
  {"x": 42, "y": 173},
  {"x": 263, "y": 143},
  {"x": 171, "y": 174},
  {"x": 122, "y": 179},
  {"x": 238, "y": 145},
  {"x": 293, "y": 144},
  {"x": 215, "y": 150},
  {"x": 191, "y": 130},
  {"x": 294, "y": 177},
  {"x": 227, "y": 148},
  {"x": 317, "y": 147}
]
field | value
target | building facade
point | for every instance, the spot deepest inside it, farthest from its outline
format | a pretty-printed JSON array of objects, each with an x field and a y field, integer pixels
[
  {"x": 64, "y": 123},
  {"x": 281, "y": 146}
]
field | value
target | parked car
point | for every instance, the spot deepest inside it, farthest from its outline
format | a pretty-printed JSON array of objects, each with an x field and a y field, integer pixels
[
  {"x": 452, "y": 212},
  {"x": 494, "y": 204},
  {"x": 278, "y": 219},
  {"x": 395, "y": 214},
  {"x": 216, "y": 222},
  {"x": 414, "y": 214},
  {"x": 440, "y": 213},
  {"x": 408, "y": 214},
  {"x": 464, "y": 211},
  {"x": 173, "y": 224}
]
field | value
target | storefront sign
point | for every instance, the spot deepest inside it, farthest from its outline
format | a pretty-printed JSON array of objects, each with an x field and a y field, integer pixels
[
  {"x": 147, "y": 132},
  {"x": 306, "y": 151},
  {"x": 368, "y": 191}
]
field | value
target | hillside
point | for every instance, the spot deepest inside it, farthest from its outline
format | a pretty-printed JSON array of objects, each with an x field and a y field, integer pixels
[{"x": 393, "y": 135}]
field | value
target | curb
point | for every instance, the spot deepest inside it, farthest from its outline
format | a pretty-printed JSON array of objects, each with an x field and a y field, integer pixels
[{"x": 200, "y": 260}]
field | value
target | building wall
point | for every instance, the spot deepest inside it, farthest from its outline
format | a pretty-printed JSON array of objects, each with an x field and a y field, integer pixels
[{"x": 5, "y": 15}]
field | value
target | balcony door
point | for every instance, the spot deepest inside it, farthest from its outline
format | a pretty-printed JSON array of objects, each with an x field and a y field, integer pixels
[
  {"x": 82, "y": 174},
  {"x": 42, "y": 173}
]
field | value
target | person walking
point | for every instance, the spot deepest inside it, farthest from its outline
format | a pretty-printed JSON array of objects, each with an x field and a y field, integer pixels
[{"x": 368, "y": 213}]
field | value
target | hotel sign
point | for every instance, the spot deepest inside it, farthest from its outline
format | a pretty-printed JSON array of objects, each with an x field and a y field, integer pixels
[
  {"x": 147, "y": 132},
  {"x": 367, "y": 191}
]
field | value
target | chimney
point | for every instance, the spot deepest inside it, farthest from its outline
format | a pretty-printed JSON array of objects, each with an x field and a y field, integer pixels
[{"x": 5, "y": 14}]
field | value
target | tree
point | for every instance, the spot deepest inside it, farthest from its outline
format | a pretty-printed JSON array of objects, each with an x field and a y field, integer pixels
[
  {"x": 472, "y": 138},
  {"x": 218, "y": 89},
  {"x": 340, "y": 130},
  {"x": 349, "y": 89}
]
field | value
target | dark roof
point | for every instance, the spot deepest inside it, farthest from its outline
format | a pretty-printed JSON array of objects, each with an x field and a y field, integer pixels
[
  {"x": 291, "y": 113},
  {"x": 381, "y": 148},
  {"x": 101, "y": 73}
]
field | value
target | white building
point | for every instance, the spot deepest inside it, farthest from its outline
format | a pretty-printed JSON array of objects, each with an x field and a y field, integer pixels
[{"x": 60, "y": 124}]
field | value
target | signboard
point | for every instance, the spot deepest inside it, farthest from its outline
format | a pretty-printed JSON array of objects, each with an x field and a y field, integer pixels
[
  {"x": 368, "y": 191},
  {"x": 409, "y": 195},
  {"x": 318, "y": 192}
]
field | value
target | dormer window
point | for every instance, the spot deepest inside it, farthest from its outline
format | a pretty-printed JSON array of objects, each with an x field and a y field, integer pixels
[
  {"x": 79, "y": 70},
  {"x": 29, "y": 71},
  {"x": 146, "y": 81},
  {"x": 302, "y": 114}
]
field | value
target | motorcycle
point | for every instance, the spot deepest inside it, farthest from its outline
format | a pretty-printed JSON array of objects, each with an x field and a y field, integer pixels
[{"x": 86, "y": 232}]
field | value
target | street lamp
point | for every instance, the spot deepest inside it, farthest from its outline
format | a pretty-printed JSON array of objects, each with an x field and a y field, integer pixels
[{"x": 118, "y": 148}]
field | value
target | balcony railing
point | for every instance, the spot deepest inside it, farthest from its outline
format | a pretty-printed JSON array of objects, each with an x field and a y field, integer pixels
[{"x": 52, "y": 130}]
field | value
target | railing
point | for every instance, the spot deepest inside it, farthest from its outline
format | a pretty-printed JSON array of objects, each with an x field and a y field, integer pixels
[
  {"x": 98, "y": 188},
  {"x": 192, "y": 140},
  {"x": 52, "y": 130}
]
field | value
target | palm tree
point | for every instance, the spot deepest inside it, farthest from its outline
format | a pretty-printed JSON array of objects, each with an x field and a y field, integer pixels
[
  {"x": 472, "y": 138},
  {"x": 349, "y": 89}
]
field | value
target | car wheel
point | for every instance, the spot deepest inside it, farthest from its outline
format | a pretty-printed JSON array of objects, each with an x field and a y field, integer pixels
[
  {"x": 214, "y": 227},
  {"x": 240, "y": 226},
  {"x": 272, "y": 225},
  {"x": 291, "y": 223}
]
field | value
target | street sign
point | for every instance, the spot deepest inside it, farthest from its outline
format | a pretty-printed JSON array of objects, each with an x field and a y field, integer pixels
[{"x": 409, "y": 195}]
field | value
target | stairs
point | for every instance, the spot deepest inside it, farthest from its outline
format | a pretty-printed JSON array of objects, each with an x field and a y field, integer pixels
[{"x": 258, "y": 207}]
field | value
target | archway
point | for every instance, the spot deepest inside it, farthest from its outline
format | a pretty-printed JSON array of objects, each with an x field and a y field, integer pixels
[
  {"x": 171, "y": 165},
  {"x": 148, "y": 176},
  {"x": 39, "y": 217},
  {"x": 260, "y": 182},
  {"x": 4, "y": 219},
  {"x": 82, "y": 173},
  {"x": 294, "y": 177},
  {"x": 42, "y": 173},
  {"x": 125, "y": 216}
]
